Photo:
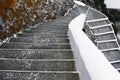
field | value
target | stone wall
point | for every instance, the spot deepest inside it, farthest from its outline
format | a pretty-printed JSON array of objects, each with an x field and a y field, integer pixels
[{"x": 26, "y": 13}]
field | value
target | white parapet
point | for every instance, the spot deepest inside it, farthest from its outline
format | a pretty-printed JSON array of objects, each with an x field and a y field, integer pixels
[{"x": 91, "y": 62}]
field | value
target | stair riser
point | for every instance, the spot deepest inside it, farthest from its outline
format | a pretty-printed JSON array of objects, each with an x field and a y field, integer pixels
[{"x": 36, "y": 54}]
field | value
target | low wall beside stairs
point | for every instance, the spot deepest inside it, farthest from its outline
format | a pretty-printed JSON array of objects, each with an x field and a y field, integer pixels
[{"x": 90, "y": 62}]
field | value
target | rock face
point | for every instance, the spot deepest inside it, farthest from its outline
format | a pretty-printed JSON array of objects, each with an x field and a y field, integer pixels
[{"x": 30, "y": 12}]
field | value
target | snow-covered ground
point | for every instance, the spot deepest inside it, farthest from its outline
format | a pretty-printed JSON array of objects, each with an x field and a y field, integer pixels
[{"x": 113, "y": 4}]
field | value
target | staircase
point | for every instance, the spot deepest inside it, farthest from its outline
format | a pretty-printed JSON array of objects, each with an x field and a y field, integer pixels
[
  {"x": 105, "y": 37},
  {"x": 41, "y": 53}
]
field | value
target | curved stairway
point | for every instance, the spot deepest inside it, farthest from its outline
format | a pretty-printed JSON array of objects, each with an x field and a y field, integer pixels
[
  {"x": 41, "y": 53},
  {"x": 105, "y": 37}
]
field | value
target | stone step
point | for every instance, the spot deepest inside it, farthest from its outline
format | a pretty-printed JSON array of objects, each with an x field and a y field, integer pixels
[
  {"x": 43, "y": 35},
  {"x": 74, "y": 12},
  {"x": 92, "y": 15},
  {"x": 96, "y": 20},
  {"x": 105, "y": 37},
  {"x": 100, "y": 26},
  {"x": 37, "y": 76},
  {"x": 55, "y": 23},
  {"x": 82, "y": 9},
  {"x": 35, "y": 46},
  {"x": 107, "y": 45},
  {"x": 102, "y": 30},
  {"x": 49, "y": 27},
  {"x": 37, "y": 54},
  {"x": 98, "y": 23},
  {"x": 104, "y": 33},
  {"x": 39, "y": 31},
  {"x": 112, "y": 55},
  {"x": 39, "y": 40},
  {"x": 37, "y": 65},
  {"x": 116, "y": 65},
  {"x": 48, "y": 30}
]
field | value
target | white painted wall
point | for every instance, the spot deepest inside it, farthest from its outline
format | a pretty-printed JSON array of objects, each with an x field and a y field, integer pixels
[
  {"x": 113, "y": 4},
  {"x": 91, "y": 62}
]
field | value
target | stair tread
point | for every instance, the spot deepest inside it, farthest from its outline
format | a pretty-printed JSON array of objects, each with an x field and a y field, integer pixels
[
  {"x": 95, "y": 20},
  {"x": 112, "y": 55},
  {"x": 108, "y": 45},
  {"x": 42, "y": 35},
  {"x": 100, "y": 26},
  {"x": 116, "y": 64},
  {"x": 35, "y": 46},
  {"x": 38, "y": 76},
  {"x": 98, "y": 23},
  {"x": 36, "y": 54},
  {"x": 102, "y": 30},
  {"x": 40, "y": 40},
  {"x": 105, "y": 37},
  {"x": 38, "y": 31},
  {"x": 104, "y": 33},
  {"x": 92, "y": 14},
  {"x": 36, "y": 65}
]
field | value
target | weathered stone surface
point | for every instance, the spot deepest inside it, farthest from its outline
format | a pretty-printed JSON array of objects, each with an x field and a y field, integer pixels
[
  {"x": 38, "y": 76},
  {"x": 35, "y": 46},
  {"x": 37, "y": 54},
  {"x": 39, "y": 40},
  {"x": 36, "y": 65}
]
